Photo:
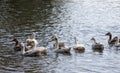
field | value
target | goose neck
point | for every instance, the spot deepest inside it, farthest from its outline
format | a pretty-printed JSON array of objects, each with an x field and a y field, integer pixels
[
  {"x": 75, "y": 41},
  {"x": 23, "y": 50},
  {"x": 110, "y": 37},
  {"x": 57, "y": 44},
  {"x": 16, "y": 42},
  {"x": 94, "y": 42},
  {"x": 33, "y": 35}
]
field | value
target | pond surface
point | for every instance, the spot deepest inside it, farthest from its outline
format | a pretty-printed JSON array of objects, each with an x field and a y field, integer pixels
[{"x": 67, "y": 19}]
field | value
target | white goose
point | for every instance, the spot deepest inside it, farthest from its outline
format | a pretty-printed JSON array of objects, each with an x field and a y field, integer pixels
[
  {"x": 39, "y": 51},
  {"x": 35, "y": 51},
  {"x": 30, "y": 42},
  {"x": 78, "y": 47}
]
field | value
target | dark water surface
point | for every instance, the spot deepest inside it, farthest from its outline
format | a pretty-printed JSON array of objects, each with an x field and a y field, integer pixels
[{"x": 66, "y": 18}]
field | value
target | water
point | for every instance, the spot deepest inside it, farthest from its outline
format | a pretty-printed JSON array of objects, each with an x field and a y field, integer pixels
[{"x": 66, "y": 18}]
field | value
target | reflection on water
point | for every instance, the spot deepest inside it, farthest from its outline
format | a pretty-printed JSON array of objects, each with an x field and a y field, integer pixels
[{"x": 66, "y": 18}]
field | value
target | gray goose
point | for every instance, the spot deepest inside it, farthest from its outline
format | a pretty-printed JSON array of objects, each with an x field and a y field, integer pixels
[
  {"x": 97, "y": 46},
  {"x": 111, "y": 41},
  {"x": 17, "y": 46},
  {"x": 117, "y": 43}
]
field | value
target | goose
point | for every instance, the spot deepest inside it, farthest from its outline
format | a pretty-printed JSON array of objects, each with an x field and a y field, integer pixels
[
  {"x": 78, "y": 47},
  {"x": 30, "y": 42},
  {"x": 111, "y": 40},
  {"x": 97, "y": 46},
  {"x": 37, "y": 51},
  {"x": 60, "y": 43},
  {"x": 62, "y": 50},
  {"x": 117, "y": 44},
  {"x": 17, "y": 46}
]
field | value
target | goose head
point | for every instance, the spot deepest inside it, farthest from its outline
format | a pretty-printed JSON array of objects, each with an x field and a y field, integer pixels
[
  {"x": 54, "y": 38},
  {"x": 93, "y": 39},
  {"x": 116, "y": 39},
  {"x": 15, "y": 39},
  {"x": 108, "y": 34}
]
